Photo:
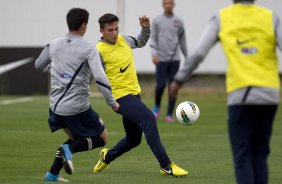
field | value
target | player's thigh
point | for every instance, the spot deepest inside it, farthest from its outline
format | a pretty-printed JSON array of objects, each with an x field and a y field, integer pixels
[
  {"x": 67, "y": 131},
  {"x": 55, "y": 121},
  {"x": 132, "y": 129},
  {"x": 240, "y": 125},
  {"x": 265, "y": 115},
  {"x": 136, "y": 111},
  {"x": 161, "y": 74},
  {"x": 172, "y": 70},
  {"x": 85, "y": 124}
]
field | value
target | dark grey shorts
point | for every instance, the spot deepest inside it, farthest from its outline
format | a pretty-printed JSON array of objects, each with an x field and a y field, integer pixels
[{"x": 84, "y": 124}]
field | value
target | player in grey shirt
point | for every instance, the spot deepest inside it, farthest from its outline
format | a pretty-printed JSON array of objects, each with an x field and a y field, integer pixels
[
  {"x": 67, "y": 54},
  {"x": 73, "y": 62},
  {"x": 167, "y": 35}
]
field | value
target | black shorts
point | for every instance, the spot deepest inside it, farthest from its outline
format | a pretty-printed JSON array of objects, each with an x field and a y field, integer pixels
[{"x": 84, "y": 124}]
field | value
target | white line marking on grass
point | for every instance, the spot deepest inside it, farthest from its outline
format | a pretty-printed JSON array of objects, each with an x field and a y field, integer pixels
[
  {"x": 17, "y": 100},
  {"x": 18, "y": 131},
  {"x": 163, "y": 134}
]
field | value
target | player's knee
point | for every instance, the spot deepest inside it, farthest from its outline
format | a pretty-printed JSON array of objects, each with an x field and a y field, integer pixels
[
  {"x": 105, "y": 141},
  {"x": 151, "y": 119},
  {"x": 161, "y": 87},
  {"x": 101, "y": 142},
  {"x": 97, "y": 142},
  {"x": 104, "y": 136},
  {"x": 135, "y": 142},
  {"x": 149, "y": 126}
]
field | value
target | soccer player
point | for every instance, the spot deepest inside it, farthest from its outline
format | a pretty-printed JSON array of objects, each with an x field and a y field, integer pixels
[
  {"x": 249, "y": 35},
  {"x": 168, "y": 34},
  {"x": 73, "y": 62},
  {"x": 116, "y": 53}
]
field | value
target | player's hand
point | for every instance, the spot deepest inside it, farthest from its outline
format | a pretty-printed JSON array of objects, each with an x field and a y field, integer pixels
[
  {"x": 115, "y": 107},
  {"x": 144, "y": 21},
  {"x": 174, "y": 88},
  {"x": 155, "y": 59}
]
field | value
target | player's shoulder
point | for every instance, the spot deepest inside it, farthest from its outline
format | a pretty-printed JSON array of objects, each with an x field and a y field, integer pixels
[
  {"x": 88, "y": 44},
  {"x": 56, "y": 40},
  {"x": 90, "y": 47},
  {"x": 175, "y": 16},
  {"x": 84, "y": 46},
  {"x": 158, "y": 18}
]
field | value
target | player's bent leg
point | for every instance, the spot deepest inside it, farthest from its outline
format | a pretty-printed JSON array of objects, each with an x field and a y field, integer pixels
[
  {"x": 132, "y": 106},
  {"x": 174, "y": 170},
  {"x": 101, "y": 164}
]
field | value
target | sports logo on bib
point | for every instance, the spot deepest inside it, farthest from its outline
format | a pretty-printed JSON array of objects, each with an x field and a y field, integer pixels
[{"x": 122, "y": 70}]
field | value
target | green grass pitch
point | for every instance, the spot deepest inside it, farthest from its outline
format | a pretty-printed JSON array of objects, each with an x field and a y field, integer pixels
[{"x": 27, "y": 147}]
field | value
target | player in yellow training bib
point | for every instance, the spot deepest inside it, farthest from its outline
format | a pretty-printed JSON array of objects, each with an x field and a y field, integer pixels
[{"x": 117, "y": 57}]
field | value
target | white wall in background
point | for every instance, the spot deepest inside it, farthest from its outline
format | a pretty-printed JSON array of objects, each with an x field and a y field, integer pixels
[{"x": 26, "y": 23}]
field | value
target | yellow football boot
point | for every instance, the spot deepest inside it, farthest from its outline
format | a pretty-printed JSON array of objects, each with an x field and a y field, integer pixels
[
  {"x": 173, "y": 170},
  {"x": 101, "y": 163}
]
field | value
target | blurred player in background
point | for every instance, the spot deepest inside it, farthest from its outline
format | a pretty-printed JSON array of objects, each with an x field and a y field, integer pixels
[
  {"x": 249, "y": 35},
  {"x": 73, "y": 62},
  {"x": 167, "y": 36},
  {"x": 116, "y": 53}
]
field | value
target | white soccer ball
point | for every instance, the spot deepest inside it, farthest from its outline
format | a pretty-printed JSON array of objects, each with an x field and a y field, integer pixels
[{"x": 187, "y": 113}]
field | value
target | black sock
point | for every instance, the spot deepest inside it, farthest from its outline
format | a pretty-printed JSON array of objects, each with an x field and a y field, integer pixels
[
  {"x": 86, "y": 144},
  {"x": 69, "y": 141},
  {"x": 57, "y": 164},
  {"x": 76, "y": 146}
]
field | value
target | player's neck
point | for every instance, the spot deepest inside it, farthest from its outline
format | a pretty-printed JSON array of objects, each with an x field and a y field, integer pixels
[
  {"x": 79, "y": 33},
  {"x": 168, "y": 13}
]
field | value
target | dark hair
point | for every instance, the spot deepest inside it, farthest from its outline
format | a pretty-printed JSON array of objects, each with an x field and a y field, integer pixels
[
  {"x": 237, "y": 1},
  {"x": 76, "y": 17},
  {"x": 107, "y": 18}
]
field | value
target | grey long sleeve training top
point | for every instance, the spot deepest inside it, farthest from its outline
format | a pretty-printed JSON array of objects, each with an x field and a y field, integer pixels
[
  {"x": 167, "y": 34},
  {"x": 63, "y": 56}
]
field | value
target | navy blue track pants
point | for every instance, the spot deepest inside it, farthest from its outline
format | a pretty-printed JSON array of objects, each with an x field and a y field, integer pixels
[
  {"x": 137, "y": 118},
  {"x": 165, "y": 72},
  {"x": 250, "y": 128}
]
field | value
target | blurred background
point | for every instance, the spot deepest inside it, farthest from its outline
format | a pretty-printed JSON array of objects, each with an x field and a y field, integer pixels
[
  {"x": 27, "y": 26},
  {"x": 27, "y": 147}
]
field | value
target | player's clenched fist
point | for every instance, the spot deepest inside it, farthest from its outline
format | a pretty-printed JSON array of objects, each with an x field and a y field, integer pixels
[{"x": 144, "y": 21}]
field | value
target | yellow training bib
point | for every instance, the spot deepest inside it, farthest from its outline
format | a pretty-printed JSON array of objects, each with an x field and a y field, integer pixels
[
  {"x": 248, "y": 39},
  {"x": 120, "y": 68}
]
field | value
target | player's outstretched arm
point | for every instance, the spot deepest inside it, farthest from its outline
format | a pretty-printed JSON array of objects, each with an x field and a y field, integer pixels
[{"x": 100, "y": 77}]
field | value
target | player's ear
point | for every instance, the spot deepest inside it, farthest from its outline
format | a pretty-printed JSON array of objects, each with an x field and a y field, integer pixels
[
  {"x": 101, "y": 30},
  {"x": 83, "y": 26}
]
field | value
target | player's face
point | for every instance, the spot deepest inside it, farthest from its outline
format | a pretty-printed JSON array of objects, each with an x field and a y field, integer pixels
[
  {"x": 168, "y": 6},
  {"x": 110, "y": 32}
]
